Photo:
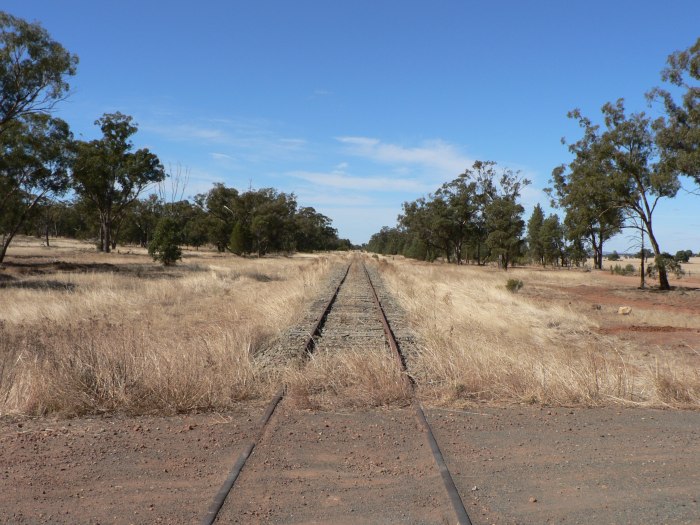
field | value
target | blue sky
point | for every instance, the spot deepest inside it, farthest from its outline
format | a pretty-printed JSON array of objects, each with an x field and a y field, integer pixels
[{"x": 358, "y": 106}]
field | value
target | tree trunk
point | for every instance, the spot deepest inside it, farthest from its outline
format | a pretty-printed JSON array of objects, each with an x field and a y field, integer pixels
[
  {"x": 5, "y": 245},
  {"x": 597, "y": 254},
  {"x": 663, "y": 276},
  {"x": 106, "y": 231},
  {"x": 641, "y": 266}
]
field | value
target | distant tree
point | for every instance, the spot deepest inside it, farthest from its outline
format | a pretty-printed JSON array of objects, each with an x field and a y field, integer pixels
[
  {"x": 552, "y": 241},
  {"x": 585, "y": 190},
  {"x": 646, "y": 252},
  {"x": 108, "y": 174},
  {"x": 165, "y": 245},
  {"x": 271, "y": 219},
  {"x": 638, "y": 183},
  {"x": 505, "y": 225},
  {"x": 219, "y": 204},
  {"x": 459, "y": 207},
  {"x": 534, "y": 240},
  {"x": 576, "y": 252},
  {"x": 388, "y": 241},
  {"x": 33, "y": 70},
  {"x": 241, "y": 241},
  {"x": 140, "y": 220},
  {"x": 34, "y": 160},
  {"x": 614, "y": 256},
  {"x": 420, "y": 220},
  {"x": 345, "y": 245},
  {"x": 313, "y": 231},
  {"x": 503, "y": 217},
  {"x": 683, "y": 256}
]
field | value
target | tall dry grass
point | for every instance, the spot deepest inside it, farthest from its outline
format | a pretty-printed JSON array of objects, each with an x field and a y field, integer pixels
[
  {"x": 480, "y": 342},
  {"x": 137, "y": 338},
  {"x": 360, "y": 377}
]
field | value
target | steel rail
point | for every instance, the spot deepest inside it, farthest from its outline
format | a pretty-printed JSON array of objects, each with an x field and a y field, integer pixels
[
  {"x": 227, "y": 486},
  {"x": 448, "y": 482}
]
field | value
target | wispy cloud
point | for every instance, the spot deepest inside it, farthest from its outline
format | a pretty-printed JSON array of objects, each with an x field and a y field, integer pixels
[
  {"x": 245, "y": 139},
  {"x": 220, "y": 156},
  {"x": 342, "y": 181},
  {"x": 436, "y": 157}
]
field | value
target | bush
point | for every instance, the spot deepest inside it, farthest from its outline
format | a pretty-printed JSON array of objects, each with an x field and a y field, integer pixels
[
  {"x": 668, "y": 262},
  {"x": 614, "y": 256},
  {"x": 683, "y": 256},
  {"x": 165, "y": 245},
  {"x": 513, "y": 285},
  {"x": 626, "y": 270}
]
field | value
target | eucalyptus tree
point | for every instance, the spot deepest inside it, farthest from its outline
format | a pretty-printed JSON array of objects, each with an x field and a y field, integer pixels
[
  {"x": 678, "y": 132},
  {"x": 33, "y": 70},
  {"x": 586, "y": 190},
  {"x": 421, "y": 219},
  {"x": 505, "y": 226},
  {"x": 35, "y": 156},
  {"x": 313, "y": 231},
  {"x": 111, "y": 176},
  {"x": 503, "y": 216},
  {"x": 459, "y": 201},
  {"x": 639, "y": 181},
  {"x": 271, "y": 215},
  {"x": 552, "y": 241},
  {"x": 534, "y": 239},
  {"x": 219, "y": 206}
]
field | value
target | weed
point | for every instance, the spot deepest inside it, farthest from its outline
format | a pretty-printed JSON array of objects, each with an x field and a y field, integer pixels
[{"x": 513, "y": 285}]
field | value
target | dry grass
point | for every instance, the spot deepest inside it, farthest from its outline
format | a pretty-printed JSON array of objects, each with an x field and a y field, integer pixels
[
  {"x": 483, "y": 343},
  {"x": 352, "y": 378},
  {"x": 119, "y": 333}
]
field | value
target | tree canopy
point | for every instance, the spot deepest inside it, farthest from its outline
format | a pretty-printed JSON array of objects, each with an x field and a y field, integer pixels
[
  {"x": 33, "y": 69},
  {"x": 110, "y": 176}
]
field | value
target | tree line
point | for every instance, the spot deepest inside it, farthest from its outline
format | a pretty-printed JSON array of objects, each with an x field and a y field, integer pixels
[
  {"x": 106, "y": 179},
  {"x": 476, "y": 217},
  {"x": 620, "y": 170}
]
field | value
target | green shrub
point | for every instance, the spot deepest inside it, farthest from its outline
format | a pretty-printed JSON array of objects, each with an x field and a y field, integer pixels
[
  {"x": 626, "y": 270},
  {"x": 668, "y": 262},
  {"x": 513, "y": 285},
  {"x": 165, "y": 245}
]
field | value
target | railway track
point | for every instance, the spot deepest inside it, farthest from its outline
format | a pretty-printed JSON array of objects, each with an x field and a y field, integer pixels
[{"x": 352, "y": 317}]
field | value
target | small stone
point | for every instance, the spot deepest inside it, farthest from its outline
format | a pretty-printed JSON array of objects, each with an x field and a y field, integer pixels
[
  {"x": 532, "y": 499},
  {"x": 624, "y": 310}
]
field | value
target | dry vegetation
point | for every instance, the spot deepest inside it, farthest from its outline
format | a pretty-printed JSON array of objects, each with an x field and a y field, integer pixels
[
  {"x": 481, "y": 342},
  {"x": 353, "y": 378},
  {"x": 83, "y": 332}
]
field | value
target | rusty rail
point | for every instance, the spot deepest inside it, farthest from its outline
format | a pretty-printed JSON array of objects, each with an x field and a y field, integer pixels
[
  {"x": 309, "y": 346},
  {"x": 448, "y": 482},
  {"x": 227, "y": 486}
]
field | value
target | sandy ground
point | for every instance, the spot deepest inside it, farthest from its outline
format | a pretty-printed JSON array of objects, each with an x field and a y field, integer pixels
[
  {"x": 516, "y": 464},
  {"x": 511, "y": 465}
]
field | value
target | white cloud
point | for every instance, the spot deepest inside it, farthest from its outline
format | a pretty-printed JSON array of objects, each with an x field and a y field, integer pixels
[
  {"x": 220, "y": 156},
  {"x": 340, "y": 180},
  {"x": 244, "y": 139},
  {"x": 440, "y": 159}
]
